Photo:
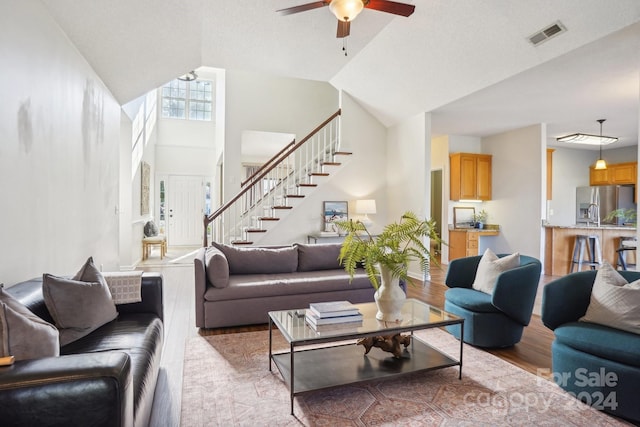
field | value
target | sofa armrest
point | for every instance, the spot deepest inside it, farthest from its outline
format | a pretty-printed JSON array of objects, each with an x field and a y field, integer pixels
[
  {"x": 515, "y": 291},
  {"x": 88, "y": 389},
  {"x": 151, "y": 297},
  {"x": 462, "y": 272},
  {"x": 199, "y": 266},
  {"x": 566, "y": 299}
]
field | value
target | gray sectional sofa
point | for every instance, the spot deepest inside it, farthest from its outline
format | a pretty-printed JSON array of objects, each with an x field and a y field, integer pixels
[{"x": 239, "y": 286}]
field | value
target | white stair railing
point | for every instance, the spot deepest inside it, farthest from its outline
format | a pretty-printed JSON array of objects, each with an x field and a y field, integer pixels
[{"x": 266, "y": 197}]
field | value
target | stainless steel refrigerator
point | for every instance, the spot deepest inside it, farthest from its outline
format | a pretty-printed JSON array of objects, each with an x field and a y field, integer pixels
[{"x": 593, "y": 204}]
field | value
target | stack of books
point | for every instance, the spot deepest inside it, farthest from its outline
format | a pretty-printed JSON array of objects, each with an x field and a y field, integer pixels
[{"x": 334, "y": 314}]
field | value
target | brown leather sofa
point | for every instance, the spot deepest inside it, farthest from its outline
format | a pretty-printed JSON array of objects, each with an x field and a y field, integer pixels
[{"x": 106, "y": 378}]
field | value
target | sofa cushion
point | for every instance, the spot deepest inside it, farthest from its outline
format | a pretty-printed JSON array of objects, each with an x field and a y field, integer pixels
[
  {"x": 318, "y": 257},
  {"x": 490, "y": 267},
  {"x": 260, "y": 260},
  {"x": 23, "y": 334},
  {"x": 274, "y": 285},
  {"x": 614, "y": 302},
  {"x": 140, "y": 335},
  {"x": 217, "y": 267},
  {"x": 78, "y": 306},
  {"x": 471, "y": 299},
  {"x": 602, "y": 341}
]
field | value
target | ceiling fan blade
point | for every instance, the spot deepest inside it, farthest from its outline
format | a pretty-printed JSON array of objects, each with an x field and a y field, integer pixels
[
  {"x": 343, "y": 29},
  {"x": 303, "y": 7},
  {"x": 389, "y": 6}
]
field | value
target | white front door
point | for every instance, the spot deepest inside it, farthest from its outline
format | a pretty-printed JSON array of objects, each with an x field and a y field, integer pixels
[{"x": 185, "y": 204}]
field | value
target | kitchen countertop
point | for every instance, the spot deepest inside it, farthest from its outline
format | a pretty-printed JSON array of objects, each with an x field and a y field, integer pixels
[{"x": 592, "y": 227}]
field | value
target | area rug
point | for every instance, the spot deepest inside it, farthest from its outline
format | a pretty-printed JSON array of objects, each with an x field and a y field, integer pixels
[{"x": 227, "y": 383}]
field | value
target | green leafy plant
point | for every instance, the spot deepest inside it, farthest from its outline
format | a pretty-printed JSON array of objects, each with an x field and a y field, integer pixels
[
  {"x": 628, "y": 216},
  {"x": 398, "y": 244}
]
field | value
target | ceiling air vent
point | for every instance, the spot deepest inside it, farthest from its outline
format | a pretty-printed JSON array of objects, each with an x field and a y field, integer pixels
[{"x": 547, "y": 33}]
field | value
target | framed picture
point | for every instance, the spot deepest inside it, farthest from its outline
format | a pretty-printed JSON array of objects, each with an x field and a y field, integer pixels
[
  {"x": 463, "y": 217},
  {"x": 332, "y": 212},
  {"x": 145, "y": 186}
]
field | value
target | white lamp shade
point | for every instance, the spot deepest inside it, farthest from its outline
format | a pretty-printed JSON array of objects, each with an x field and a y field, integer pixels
[
  {"x": 346, "y": 10},
  {"x": 366, "y": 206}
]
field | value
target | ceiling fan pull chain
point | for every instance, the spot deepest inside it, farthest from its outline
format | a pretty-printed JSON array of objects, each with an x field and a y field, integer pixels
[{"x": 344, "y": 45}]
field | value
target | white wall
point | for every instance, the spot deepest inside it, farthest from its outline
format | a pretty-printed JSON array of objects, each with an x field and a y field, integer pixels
[
  {"x": 261, "y": 102},
  {"x": 518, "y": 200},
  {"x": 409, "y": 170},
  {"x": 361, "y": 177},
  {"x": 570, "y": 170},
  {"x": 59, "y": 154}
]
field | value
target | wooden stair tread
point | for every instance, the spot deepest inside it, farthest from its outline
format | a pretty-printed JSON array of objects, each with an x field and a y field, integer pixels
[
  {"x": 330, "y": 163},
  {"x": 281, "y": 207},
  {"x": 269, "y": 218},
  {"x": 307, "y": 185},
  {"x": 319, "y": 174},
  {"x": 342, "y": 153},
  {"x": 295, "y": 196},
  {"x": 256, "y": 230},
  {"x": 241, "y": 242}
]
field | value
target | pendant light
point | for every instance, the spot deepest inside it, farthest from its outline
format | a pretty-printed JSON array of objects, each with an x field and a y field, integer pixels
[{"x": 601, "y": 164}]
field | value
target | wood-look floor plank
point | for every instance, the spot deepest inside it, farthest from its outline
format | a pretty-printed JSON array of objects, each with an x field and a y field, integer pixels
[{"x": 531, "y": 354}]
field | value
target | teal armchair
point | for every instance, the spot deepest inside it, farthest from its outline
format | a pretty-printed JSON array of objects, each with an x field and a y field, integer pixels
[{"x": 495, "y": 320}]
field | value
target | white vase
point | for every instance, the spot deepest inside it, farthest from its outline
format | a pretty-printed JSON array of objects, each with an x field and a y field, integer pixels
[{"x": 389, "y": 297}]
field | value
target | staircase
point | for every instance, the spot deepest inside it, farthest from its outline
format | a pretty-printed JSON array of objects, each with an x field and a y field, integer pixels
[{"x": 270, "y": 194}]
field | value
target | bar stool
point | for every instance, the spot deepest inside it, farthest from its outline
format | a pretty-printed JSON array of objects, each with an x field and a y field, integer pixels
[
  {"x": 594, "y": 253},
  {"x": 627, "y": 243}
]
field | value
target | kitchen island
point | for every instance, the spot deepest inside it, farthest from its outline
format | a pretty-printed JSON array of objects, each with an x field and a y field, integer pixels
[{"x": 559, "y": 242}]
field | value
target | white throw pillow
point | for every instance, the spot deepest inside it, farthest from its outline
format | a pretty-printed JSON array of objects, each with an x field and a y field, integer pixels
[
  {"x": 490, "y": 268},
  {"x": 614, "y": 302}
]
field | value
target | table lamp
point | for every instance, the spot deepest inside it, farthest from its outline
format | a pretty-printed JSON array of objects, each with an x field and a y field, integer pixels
[{"x": 366, "y": 207}]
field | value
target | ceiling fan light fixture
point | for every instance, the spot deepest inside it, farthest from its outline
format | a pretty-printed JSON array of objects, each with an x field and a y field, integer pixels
[{"x": 346, "y": 10}]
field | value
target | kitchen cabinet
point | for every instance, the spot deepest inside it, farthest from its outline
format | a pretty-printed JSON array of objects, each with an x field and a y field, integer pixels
[
  {"x": 470, "y": 176},
  {"x": 550, "y": 173},
  {"x": 464, "y": 243},
  {"x": 619, "y": 173}
]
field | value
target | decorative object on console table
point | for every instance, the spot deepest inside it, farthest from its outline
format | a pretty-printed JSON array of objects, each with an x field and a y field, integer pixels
[
  {"x": 388, "y": 255},
  {"x": 366, "y": 207},
  {"x": 480, "y": 219},
  {"x": 333, "y": 212}
]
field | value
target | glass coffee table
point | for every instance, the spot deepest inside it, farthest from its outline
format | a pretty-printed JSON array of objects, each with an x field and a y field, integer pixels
[{"x": 341, "y": 361}]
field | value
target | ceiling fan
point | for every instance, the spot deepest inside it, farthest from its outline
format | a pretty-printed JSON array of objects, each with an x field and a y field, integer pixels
[{"x": 347, "y": 10}]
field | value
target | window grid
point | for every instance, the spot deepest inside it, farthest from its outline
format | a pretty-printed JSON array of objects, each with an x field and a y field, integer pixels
[{"x": 196, "y": 97}]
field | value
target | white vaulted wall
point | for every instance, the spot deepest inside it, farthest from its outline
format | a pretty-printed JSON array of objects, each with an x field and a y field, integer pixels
[{"x": 60, "y": 131}]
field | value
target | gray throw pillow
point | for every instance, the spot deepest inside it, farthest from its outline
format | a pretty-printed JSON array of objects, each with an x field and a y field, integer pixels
[
  {"x": 318, "y": 257},
  {"x": 24, "y": 335},
  {"x": 614, "y": 302},
  {"x": 260, "y": 260},
  {"x": 217, "y": 267},
  {"x": 79, "y": 305}
]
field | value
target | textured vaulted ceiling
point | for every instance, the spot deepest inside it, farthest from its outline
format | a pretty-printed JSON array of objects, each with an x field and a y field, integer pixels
[{"x": 468, "y": 62}]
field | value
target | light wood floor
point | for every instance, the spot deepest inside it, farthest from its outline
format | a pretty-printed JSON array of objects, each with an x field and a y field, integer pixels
[{"x": 532, "y": 353}]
